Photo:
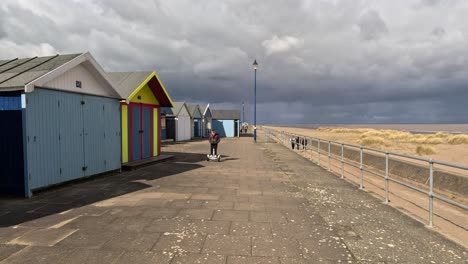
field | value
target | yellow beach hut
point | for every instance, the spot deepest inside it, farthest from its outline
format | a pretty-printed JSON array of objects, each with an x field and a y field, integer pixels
[{"x": 144, "y": 96}]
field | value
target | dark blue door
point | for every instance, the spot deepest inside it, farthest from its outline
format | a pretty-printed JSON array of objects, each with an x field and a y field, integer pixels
[
  {"x": 11, "y": 153},
  {"x": 136, "y": 132},
  {"x": 196, "y": 127},
  {"x": 146, "y": 135}
]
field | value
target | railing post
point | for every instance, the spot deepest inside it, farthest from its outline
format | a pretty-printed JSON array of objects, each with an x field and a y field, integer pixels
[
  {"x": 386, "y": 178},
  {"x": 431, "y": 193},
  {"x": 310, "y": 144},
  {"x": 318, "y": 144},
  {"x": 329, "y": 153},
  {"x": 361, "y": 185},
  {"x": 342, "y": 160}
]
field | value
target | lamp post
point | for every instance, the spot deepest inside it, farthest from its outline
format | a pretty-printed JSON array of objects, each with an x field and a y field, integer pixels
[{"x": 255, "y": 64}]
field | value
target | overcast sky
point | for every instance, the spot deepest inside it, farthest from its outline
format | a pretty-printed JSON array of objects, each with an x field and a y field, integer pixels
[{"x": 329, "y": 61}]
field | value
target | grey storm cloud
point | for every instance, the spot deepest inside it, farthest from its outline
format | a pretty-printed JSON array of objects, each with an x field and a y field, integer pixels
[
  {"x": 371, "y": 25},
  {"x": 321, "y": 61}
]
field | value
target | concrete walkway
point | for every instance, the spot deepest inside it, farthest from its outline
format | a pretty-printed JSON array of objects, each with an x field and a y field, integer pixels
[{"x": 261, "y": 204}]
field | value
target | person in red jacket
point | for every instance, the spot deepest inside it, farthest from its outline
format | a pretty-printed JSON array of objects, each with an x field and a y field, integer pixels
[{"x": 214, "y": 140}]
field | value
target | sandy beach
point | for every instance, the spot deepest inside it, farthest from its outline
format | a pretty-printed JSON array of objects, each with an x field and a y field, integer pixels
[{"x": 430, "y": 146}]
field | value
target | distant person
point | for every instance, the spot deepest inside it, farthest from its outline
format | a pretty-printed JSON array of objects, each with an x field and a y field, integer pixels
[
  {"x": 297, "y": 142},
  {"x": 293, "y": 142},
  {"x": 304, "y": 146},
  {"x": 214, "y": 141}
]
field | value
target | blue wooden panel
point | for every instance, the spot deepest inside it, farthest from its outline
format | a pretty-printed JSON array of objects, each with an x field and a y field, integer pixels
[
  {"x": 147, "y": 123},
  {"x": 197, "y": 114},
  {"x": 64, "y": 135},
  {"x": 94, "y": 146},
  {"x": 136, "y": 128},
  {"x": 11, "y": 153},
  {"x": 71, "y": 136},
  {"x": 225, "y": 128},
  {"x": 10, "y": 102},
  {"x": 113, "y": 140},
  {"x": 208, "y": 113},
  {"x": 42, "y": 137},
  {"x": 163, "y": 133}
]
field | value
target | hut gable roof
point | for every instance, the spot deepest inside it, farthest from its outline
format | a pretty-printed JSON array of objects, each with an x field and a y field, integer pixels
[
  {"x": 177, "y": 109},
  {"x": 193, "y": 109},
  {"x": 129, "y": 83},
  {"x": 26, "y": 74},
  {"x": 225, "y": 114}
]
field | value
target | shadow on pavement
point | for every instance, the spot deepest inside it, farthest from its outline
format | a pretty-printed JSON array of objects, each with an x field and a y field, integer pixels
[{"x": 14, "y": 211}]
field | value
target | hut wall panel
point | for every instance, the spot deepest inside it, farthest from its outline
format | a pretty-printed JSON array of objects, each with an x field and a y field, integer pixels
[
  {"x": 183, "y": 128},
  {"x": 89, "y": 83},
  {"x": 10, "y": 103},
  {"x": 124, "y": 128},
  {"x": 71, "y": 136},
  {"x": 225, "y": 128},
  {"x": 64, "y": 135},
  {"x": 93, "y": 120},
  {"x": 42, "y": 126},
  {"x": 113, "y": 146},
  {"x": 156, "y": 131}
]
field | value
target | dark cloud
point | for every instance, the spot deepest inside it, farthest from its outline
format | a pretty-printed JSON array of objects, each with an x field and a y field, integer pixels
[
  {"x": 319, "y": 61},
  {"x": 372, "y": 26}
]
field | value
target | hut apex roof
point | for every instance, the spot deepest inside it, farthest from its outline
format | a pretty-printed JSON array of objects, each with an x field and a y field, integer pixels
[
  {"x": 127, "y": 83},
  {"x": 192, "y": 108},
  {"x": 203, "y": 108},
  {"x": 225, "y": 114},
  {"x": 177, "y": 107},
  {"x": 16, "y": 73}
]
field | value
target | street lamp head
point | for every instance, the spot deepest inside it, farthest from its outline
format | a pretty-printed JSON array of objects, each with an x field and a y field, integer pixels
[{"x": 255, "y": 64}]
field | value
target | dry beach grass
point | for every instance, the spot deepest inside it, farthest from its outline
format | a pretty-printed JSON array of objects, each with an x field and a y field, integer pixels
[{"x": 440, "y": 146}]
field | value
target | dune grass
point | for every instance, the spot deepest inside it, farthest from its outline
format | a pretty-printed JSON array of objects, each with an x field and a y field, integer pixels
[
  {"x": 386, "y": 138},
  {"x": 425, "y": 150},
  {"x": 457, "y": 139},
  {"x": 373, "y": 141}
]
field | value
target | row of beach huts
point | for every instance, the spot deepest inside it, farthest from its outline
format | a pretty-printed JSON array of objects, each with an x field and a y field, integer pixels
[{"x": 64, "y": 118}]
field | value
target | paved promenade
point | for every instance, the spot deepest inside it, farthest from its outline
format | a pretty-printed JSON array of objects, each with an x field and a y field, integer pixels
[{"x": 261, "y": 204}]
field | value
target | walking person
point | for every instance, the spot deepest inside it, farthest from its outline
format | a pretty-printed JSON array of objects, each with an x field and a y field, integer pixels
[{"x": 293, "y": 142}]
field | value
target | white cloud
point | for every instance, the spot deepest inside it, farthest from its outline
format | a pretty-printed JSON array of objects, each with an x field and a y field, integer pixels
[{"x": 281, "y": 44}]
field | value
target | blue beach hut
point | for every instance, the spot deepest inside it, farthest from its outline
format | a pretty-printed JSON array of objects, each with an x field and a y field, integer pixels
[
  {"x": 60, "y": 122},
  {"x": 226, "y": 122}
]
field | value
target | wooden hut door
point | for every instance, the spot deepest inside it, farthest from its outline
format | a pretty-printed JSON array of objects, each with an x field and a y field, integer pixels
[{"x": 141, "y": 131}]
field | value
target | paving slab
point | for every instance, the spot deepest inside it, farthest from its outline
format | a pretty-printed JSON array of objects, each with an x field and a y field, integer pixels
[
  {"x": 8, "y": 250},
  {"x": 144, "y": 258},
  {"x": 276, "y": 247},
  {"x": 252, "y": 260},
  {"x": 262, "y": 204},
  {"x": 199, "y": 259},
  {"x": 231, "y": 215},
  {"x": 228, "y": 245}
]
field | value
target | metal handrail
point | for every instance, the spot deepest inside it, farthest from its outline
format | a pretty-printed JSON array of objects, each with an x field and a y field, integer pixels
[{"x": 323, "y": 144}]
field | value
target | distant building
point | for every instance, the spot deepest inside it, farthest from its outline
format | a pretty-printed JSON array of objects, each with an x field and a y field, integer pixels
[
  {"x": 207, "y": 120},
  {"x": 196, "y": 119},
  {"x": 226, "y": 122},
  {"x": 178, "y": 122}
]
